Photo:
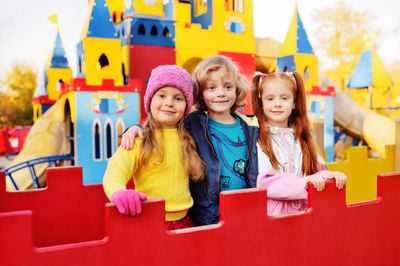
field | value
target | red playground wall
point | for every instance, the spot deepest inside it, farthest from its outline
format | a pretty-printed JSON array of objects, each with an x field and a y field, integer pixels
[
  {"x": 71, "y": 224},
  {"x": 13, "y": 135},
  {"x": 5, "y": 146}
]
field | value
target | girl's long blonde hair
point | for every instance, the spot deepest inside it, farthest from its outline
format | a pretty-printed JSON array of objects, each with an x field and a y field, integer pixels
[
  {"x": 298, "y": 119},
  {"x": 193, "y": 163}
]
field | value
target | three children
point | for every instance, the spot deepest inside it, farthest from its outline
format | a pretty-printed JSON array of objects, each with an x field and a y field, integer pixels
[{"x": 285, "y": 155}]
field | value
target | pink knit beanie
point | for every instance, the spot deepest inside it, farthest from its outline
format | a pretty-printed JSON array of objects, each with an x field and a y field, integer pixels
[{"x": 169, "y": 75}]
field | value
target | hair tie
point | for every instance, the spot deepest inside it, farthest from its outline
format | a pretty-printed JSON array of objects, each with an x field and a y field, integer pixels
[
  {"x": 262, "y": 77},
  {"x": 289, "y": 74}
]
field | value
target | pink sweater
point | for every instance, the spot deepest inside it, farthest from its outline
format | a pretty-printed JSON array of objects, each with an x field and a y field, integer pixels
[
  {"x": 287, "y": 186},
  {"x": 286, "y": 193}
]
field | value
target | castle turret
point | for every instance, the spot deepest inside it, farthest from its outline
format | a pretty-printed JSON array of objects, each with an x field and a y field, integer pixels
[
  {"x": 57, "y": 71},
  {"x": 99, "y": 51},
  {"x": 371, "y": 80},
  {"x": 297, "y": 54}
]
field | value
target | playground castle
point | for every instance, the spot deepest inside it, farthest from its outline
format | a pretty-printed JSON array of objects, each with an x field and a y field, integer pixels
[{"x": 79, "y": 121}]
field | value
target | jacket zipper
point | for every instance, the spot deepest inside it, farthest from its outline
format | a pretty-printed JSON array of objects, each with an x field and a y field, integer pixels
[
  {"x": 206, "y": 133},
  {"x": 287, "y": 149},
  {"x": 248, "y": 152}
]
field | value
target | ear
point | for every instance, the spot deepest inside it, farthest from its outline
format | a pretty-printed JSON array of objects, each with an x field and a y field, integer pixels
[{"x": 294, "y": 106}]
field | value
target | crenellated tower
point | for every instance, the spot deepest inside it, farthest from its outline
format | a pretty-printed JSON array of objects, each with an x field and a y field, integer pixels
[
  {"x": 371, "y": 82},
  {"x": 297, "y": 54},
  {"x": 57, "y": 72},
  {"x": 99, "y": 51}
]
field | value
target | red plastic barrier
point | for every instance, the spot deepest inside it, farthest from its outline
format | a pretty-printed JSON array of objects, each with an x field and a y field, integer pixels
[
  {"x": 22, "y": 135},
  {"x": 331, "y": 233},
  {"x": 64, "y": 212},
  {"x": 12, "y": 139},
  {"x": 4, "y": 143}
]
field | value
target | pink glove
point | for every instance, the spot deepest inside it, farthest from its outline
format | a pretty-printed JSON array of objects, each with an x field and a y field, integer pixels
[{"x": 128, "y": 201}]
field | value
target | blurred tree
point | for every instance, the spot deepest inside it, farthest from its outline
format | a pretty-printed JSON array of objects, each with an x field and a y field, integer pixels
[
  {"x": 16, "y": 101},
  {"x": 6, "y": 111},
  {"x": 342, "y": 33}
]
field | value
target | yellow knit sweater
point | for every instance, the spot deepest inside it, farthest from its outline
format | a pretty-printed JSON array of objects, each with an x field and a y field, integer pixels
[{"x": 168, "y": 179}]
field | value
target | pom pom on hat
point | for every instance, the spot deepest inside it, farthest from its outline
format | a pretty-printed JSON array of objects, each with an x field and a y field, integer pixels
[{"x": 173, "y": 76}]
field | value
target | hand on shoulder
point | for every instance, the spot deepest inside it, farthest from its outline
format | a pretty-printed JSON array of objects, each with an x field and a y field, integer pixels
[{"x": 128, "y": 138}]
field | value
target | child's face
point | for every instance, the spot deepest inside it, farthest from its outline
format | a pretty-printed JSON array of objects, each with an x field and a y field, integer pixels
[
  {"x": 220, "y": 92},
  {"x": 168, "y": 106},
  {"x": 278, "y": 103}
]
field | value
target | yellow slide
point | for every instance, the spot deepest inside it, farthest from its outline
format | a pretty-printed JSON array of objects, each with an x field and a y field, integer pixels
[
  {"x": 46, "y": 138},
  {"x": 375, "y": 129}
]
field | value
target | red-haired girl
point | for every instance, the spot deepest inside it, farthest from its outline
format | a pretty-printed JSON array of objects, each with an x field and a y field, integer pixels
[{"x": 287, "y": 154}]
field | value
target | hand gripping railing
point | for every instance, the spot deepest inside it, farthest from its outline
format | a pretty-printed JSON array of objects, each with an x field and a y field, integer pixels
[{"x": 31, "y": 165}]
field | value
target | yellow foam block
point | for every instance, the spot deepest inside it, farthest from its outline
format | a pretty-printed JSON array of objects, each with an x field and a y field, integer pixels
[{"x": 362, "y": 172}]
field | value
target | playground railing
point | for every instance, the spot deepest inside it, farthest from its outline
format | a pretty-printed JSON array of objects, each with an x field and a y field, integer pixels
[{"x": 30, "y": 164}]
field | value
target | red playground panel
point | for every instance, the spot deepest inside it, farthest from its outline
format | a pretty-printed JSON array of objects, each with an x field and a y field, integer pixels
[
  {"x": 22, "y": 134},
  {"x": 12, "y": 139},
  {"x": 68, "y": 224},
  {"x": 4, "y": 142}
]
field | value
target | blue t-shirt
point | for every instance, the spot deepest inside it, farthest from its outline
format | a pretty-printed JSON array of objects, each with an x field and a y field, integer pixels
[{"x": 230, "y": 144}]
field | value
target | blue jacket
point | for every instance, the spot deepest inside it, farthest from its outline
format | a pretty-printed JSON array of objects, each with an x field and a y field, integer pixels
[{"x": 205, "y": 193}]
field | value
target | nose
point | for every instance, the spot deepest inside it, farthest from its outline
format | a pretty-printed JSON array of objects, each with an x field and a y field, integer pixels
[
  {"x": 220, "y": 91},
  {"x": 168, "y": 101},
  {"x": 277, "y": 102}
]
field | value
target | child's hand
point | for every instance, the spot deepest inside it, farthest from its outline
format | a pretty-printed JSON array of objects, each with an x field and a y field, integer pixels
[
  {"x": 339, "y": 177},
  {"x": 129, "y": 137},
  {"x": 128, "y": 201},
  {"x": 317, "y": 181}
]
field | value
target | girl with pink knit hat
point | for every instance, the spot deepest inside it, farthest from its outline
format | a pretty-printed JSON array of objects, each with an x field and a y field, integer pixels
[
  {"x": 168, "y": 100},
  {"x": 225, "y": 142}
]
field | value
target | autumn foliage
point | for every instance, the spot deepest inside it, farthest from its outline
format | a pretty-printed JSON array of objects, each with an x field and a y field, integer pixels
[{"x": 16, "y": 97}]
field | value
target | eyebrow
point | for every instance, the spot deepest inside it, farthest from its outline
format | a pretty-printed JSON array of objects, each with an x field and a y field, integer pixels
[{"x": 277, "y": 95}]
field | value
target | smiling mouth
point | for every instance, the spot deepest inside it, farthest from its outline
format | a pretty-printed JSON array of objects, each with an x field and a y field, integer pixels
[{"x": 167, "y": 111}]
